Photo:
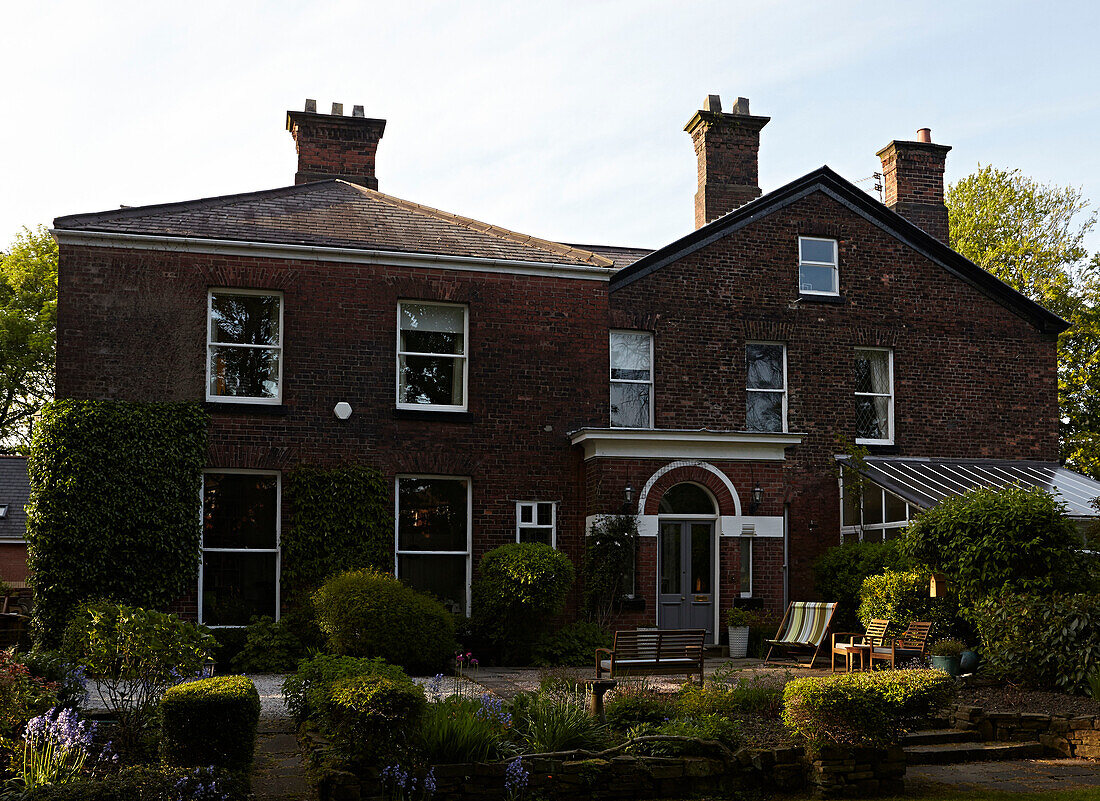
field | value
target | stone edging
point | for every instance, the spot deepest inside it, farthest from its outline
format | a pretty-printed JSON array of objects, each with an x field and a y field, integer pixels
[{"x": 1077, "y": 737}]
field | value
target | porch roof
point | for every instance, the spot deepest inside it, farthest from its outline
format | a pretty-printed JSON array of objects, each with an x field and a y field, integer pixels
[{"x": 924, "y": 482}]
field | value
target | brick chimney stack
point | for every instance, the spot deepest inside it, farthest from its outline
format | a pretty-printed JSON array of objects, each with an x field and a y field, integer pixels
[
  {"x": 727, "y": 146},
  {"x": 913, "y": 176},
  {"x": 334, "y": 146}
]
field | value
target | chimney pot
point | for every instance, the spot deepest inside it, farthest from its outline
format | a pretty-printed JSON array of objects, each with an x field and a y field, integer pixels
[
  {"x": 712, "y": 103},
  {"x": 912, "y": 174},
  {"x": 924, "y": 135},
  {"x": 338, "y": 109},
  {"x": 357, "y": 111},
  {"x": 741, "y": 107},
  {"x": 311, "y": 106}
]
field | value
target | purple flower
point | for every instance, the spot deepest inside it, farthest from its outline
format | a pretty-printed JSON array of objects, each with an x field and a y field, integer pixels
[{"x": 515, "y": 778}]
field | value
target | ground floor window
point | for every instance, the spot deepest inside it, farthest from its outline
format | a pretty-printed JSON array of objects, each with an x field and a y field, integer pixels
[
  {"x": 868, "y": 513},
  {"x": 433, "y": 537},
  {"x": 239, "y": 575},
  {"x": 746, "y": 567},
  {"x": 537, "y": 522}
]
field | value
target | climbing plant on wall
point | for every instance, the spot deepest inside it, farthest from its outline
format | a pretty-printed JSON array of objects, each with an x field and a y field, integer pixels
[
  {"x": 341, "y": 519},
  {"x": 114, "y": 505}
]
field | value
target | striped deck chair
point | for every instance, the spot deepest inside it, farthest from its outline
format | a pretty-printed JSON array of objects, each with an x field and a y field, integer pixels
[{"x": 804, "y": 628}]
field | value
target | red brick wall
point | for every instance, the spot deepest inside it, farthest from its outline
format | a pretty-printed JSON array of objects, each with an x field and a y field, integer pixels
[
  {"x": 13, "y": 561},
  {"x": 131, "y": 326},
  {"x": 972, "y": 379}
]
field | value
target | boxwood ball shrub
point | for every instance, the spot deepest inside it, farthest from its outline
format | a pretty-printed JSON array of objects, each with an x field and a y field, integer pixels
[
  {"x": 366, "y": 613},
  {"x": 112, "y": 511},
  {"x": 210, "y": 722},
  {"x": 862, "y": 709},
  {"x": 520, "y": 587}
]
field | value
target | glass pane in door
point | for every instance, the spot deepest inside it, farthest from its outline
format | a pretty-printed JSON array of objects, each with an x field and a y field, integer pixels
[
  {"x": 700, "y": 558},
  {"x": 670, "y": 559}
]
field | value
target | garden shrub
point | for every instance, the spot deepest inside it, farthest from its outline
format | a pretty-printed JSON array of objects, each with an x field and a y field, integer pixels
[
  {"x": 135, "y": 655},
  {"x": 730, "y": 695},
  {"x": 520, "y": 587},
  {"x": 1011, "y": 539},
  {"x": 574, "y": 644},
  {"x": 364, "y": 613},
  {"x": 608, "y": 564},
  {"x": 22, "y": 697},
  {"x": 268, "y": 647},
  {"x": 857, "y": 709},
  {"x": 371, "y": 718},
  {"x": 902, "y": 597},
  {"x": 112, "y": 506},
  {"x": 634, "y": 703},
  {"x": 695, "y": 728},
  {"x": 342, "y": 520},
  {"x": 458, "y": 729},
  {"x": 306, "y": 689},
  {"x": 1050, "y": 642},
  {"x": 839, "y": 573},
  {"x": 64, "y": 673},
  {"x": 148, "y": 784},
  {"x": 210, "y": 722}
]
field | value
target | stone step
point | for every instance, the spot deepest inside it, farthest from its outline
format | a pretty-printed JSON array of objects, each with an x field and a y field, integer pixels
[
  {"x": 939, "y": 737},
  {"x": 952, "y": 753}
]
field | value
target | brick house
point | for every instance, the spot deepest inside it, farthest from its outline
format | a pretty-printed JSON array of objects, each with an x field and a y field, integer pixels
[{"x": 515, "y": 388}]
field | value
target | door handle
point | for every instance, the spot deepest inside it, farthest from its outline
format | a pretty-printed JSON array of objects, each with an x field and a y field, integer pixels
[{"x": 683, "y": 597}]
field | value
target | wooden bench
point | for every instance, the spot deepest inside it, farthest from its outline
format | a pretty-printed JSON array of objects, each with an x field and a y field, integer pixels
[{"x": 653, "y": 653}]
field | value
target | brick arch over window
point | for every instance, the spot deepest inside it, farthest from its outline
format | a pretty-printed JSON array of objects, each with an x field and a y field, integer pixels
[{"x": 698, "y": 472}]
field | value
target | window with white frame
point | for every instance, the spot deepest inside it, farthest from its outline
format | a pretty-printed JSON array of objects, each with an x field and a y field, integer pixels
[
  {"x": 631, "y": 379},
  {"x": 537, "y": 522},
  {"x": 431, "y": 356},
  {"x": 817, "y": 266},
  {"x": 433, "y": 537},
  {"x": 746, "y": 567},
  {"x": 868, "y": 513},
  {"x": 874, "y": 396},
  {"x": 765, "y": 386},
  {"x": 239, "y": 575},
  {"x": 244, "y": 346}
]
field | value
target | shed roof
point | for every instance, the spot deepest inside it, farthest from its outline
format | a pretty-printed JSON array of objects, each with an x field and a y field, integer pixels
[{"x": 15, "y": 490}]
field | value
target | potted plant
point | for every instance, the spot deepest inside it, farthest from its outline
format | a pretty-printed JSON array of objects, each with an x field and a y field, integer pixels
[
  {"x": 737, "y": 620},
  {"x": 945, "y": 656}
]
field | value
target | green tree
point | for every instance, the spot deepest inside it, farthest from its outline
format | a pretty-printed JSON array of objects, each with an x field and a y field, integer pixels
[
  {"x": 28, "y": 322},
  {"x": 1031, "y": 236}
]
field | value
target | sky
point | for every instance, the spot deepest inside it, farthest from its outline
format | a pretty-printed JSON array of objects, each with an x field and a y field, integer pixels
[{"x": 559, "y": 119}]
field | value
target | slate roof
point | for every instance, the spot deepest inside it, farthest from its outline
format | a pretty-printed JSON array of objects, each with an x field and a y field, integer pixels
[
  {"x": 15, "y": 489},
  {"x": 334, "y": 214},
  {"x": 825, "y": 180},
  {"x": 620, "y": 256}
]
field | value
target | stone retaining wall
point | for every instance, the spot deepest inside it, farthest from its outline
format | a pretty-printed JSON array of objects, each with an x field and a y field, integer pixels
[
  {"x": 831, "y": 773},
  {"x": 1077, "y": 737}
]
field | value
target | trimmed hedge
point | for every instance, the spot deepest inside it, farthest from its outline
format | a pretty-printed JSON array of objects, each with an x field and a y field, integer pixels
[
  {"x": 364, "y": 613},
  {"x": 862, "y": 709},
  {"x": 1051, "y": 642},
  {"x": 520, "y": 587},
  {"x": 210, "y": 722},
  {"x": 371, "y": 718},
  {"x": 902, "y": 597},
  {"x": 306, "y": 689},
  {"x": 112, "y": 506},
  {"x": 574, "y": 644},
  {"x": 343, "y": 520}
]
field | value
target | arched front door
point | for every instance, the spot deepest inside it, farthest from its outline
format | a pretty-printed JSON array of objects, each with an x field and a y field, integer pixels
[{"x": 685, "y": 559}]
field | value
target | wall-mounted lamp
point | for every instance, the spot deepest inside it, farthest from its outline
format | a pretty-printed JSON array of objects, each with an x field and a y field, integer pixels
[
  {"x": 628, "y": 497},
  {"x": 757, "y": 499}
]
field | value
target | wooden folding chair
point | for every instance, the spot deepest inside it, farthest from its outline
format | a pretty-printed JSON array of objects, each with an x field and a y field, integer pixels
[
  {"x": 857, "y": 644},
  {"x": 802, "y": 629},
  {"x": 912, "y": 644}
]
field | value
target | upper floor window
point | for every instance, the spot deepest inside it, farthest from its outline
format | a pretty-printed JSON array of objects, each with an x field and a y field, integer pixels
[
  {"x": 817, "y": 266},
  {"x": 874, "y": 396},
  {"x": 536, "y": 522},
  {"x": 244, "y": 343},
  {"x": 431, "y": 356},
  {"x": 765, "y": 387},
  {"x": 631, "y": 379}
]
